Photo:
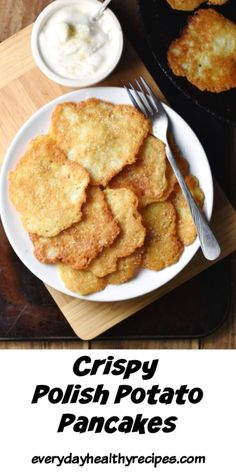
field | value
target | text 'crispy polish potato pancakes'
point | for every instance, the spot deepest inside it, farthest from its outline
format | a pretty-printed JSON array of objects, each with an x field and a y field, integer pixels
[
  {"x": 205, "y": 53},
  {"x": 83, "y": 241},
  {"x": 101, "y": 136},
  {"x": 47, "y": 189}
]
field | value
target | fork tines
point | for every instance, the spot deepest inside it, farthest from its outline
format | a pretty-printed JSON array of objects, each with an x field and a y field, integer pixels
[{"x": 143, "y": 99}]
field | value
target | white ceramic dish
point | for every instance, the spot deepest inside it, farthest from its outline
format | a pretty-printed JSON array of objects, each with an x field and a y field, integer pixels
[
  {"x": 146, "y": 280},
  {"x": 109, "y": 65}
]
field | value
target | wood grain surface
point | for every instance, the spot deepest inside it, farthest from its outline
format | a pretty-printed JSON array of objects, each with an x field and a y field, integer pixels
[{"x": 14, "y": 16}]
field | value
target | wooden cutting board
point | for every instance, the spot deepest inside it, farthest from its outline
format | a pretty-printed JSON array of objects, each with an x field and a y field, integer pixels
[{"x": 23, "y": 90}]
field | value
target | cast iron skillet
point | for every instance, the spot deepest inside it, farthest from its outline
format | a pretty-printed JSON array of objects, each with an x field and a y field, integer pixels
[{"x": 162, "y": 24}]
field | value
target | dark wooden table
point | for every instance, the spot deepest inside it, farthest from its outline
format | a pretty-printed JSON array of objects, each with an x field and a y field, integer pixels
[{"x": 15, "y": 15}]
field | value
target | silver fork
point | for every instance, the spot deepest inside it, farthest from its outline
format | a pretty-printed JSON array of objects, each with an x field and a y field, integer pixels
[{"x": 146, "y": 101}]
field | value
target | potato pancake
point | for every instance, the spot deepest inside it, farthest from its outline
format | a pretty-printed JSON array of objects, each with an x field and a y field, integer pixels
[
  {"x": 83, "y": 241},
  {"x": 47, "y": 189},
  {"x": 171, "y": 182},
  {"x": 101, "y": 136},
  {"x": 192, "y": 4},
  {"x": 185, "y": 4},
  {"x": 205, "y": 53},
  {"x": 123, "y": 204},
  {"x": 126, "y": 268},
  {"x": 83, "y": 282},
  {"x": 185, "y": 226},
  {"x": 162, "y": 246},
  {"x": 147, "y": 176}
]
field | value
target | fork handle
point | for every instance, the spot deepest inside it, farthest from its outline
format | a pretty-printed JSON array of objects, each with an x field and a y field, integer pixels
[{"x": 208, "y": 242}]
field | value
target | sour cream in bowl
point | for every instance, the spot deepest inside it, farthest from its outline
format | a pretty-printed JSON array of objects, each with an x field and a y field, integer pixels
[{"x": 71, "y": 48}]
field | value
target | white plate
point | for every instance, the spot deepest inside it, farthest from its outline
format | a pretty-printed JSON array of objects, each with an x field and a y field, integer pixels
[{"x": 146, "y": 280}]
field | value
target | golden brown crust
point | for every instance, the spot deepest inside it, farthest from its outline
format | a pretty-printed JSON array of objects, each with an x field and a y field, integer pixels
[
  {"x": 106, "y": 243},
  {"x": 101, "y": 136},
  {"x": 83, "y": 282},
  {"x": 171, "y": 182},
  {"x": 82, "y": 242},
  {"x": 186, "y": 229},
  {"x": 147, "y": 176},
  {"x": 127, "y": 268},
  {"x": 205, "y": 53},
  {"x": 217, "y": 2},
  {"x": 123, "y": 204},
  {"x": 162, "y": 247},
  {"x": 47, "y": 189},
  {"x": 195, "y": 189},
  {"x": 188, "y": 5}
]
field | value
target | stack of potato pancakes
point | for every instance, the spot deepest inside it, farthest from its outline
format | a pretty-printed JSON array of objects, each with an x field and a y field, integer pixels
[{"x": 98, "y": 197}]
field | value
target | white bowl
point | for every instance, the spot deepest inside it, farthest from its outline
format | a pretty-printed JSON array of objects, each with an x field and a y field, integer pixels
[{"x": 92, "y": 7}]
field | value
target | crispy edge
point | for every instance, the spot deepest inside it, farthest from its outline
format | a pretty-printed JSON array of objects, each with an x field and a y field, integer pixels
[
  {"x": 162, "y": 246},
  {"x": 200, "y": 23},
  {"x": 217, "y": 2},
  {"x": 83, "y": 282},
  {"x": 171, "y": 182},
  {"x": 145, "y": 125},
  {"x": 186, "y": 229},
  {"x": 189, "y": 5},
  {"x": 16, "y": 181},
  {"x": 127, "y": 268},
  {"x": 53, "y": 250},
  {"x": 185, "y": 5},
  {"x": 129, "y": 217},
  {"x": 138, "y": 176}
]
